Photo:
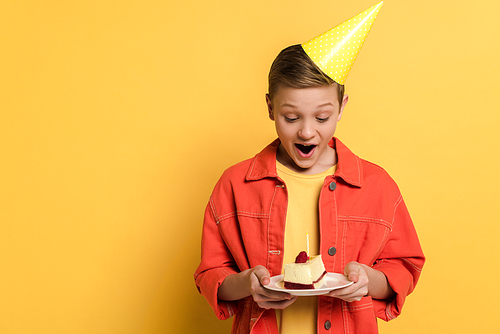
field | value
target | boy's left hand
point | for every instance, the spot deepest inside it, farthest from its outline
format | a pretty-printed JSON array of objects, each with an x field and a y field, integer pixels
[{"x": 358, "y": 273}]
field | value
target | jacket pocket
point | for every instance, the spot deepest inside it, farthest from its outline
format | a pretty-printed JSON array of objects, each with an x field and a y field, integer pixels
[
  {"x": 359, "y": 316},
  {"x": 363, "y": 238}
]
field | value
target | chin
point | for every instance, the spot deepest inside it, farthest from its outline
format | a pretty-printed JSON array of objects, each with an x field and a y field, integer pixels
[{"x": 304, "y": 166}]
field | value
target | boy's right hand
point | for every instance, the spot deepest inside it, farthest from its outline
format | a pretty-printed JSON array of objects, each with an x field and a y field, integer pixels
[
  {"x": 265, "y": 298},
  {"x": 251, "y": 282}
]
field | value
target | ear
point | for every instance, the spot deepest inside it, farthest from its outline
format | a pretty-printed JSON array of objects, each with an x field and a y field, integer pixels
[
  {"x": 270, "y": 107},
  {"x": 345, "y": 99}
]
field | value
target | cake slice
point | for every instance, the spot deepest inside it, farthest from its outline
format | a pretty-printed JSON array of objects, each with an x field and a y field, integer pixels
[{"x": 305, "y": 273}]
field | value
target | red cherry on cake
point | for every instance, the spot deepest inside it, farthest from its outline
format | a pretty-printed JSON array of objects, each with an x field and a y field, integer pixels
[{"x": 302, "y": 257}]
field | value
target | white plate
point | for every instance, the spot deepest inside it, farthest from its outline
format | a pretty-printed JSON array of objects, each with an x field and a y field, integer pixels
[{"x": 333, "y": 282}]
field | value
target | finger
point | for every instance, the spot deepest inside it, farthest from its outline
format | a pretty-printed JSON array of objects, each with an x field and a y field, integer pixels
[
  {"x": 261, "y": 293},
  {"x": 354, "y": 292},
  {"x": 276, "y": 304},
  {"x": 262, "y": 274},
  {"x": 353, "y": 277},
  {"x": 339, "y": 293},
  {"x": 272, "y": 295},
  {"x": 348, "y": 290}
]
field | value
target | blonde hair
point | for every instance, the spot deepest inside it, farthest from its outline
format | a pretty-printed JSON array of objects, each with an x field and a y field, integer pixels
[{"x": 293, "y": 68}]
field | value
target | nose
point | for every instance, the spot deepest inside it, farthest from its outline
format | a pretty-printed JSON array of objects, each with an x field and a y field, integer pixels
[{"x": 306, "y": 130}]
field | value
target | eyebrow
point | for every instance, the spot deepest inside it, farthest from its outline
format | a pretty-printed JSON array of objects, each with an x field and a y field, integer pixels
[
  {"x": 325, "y": 104},
  {"x": 321, "y": 105}
]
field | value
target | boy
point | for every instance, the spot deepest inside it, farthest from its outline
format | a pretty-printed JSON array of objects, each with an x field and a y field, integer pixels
[{"x": 307, "y": 181}]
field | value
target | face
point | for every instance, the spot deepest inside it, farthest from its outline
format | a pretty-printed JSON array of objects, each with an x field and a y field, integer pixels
[{"x": 305, "y": 121}]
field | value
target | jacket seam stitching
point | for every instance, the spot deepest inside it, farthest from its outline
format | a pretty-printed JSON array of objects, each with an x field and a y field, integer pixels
[
  {"x": 242, "y": 214},
  {"x": 214, "y": 210},
  {"x": 358, "y": 307},
  {"x": 367, "y": 219},
  {"x": 396, "y": 205},
  {"x": 388, "y": 312},
  {"x": 411, "y": 264},
  {"x": 269, "y": 227},
  {"x": 344, "y": 237},
  {"x": 346, "y": 318},
  {"x": 254, "y": 161},
  {"x": 336, "y": 227},
  {"x": 229, "y": 307},
  {"x": 359, "y": 169},
  {"x": 380, "y": 246}
]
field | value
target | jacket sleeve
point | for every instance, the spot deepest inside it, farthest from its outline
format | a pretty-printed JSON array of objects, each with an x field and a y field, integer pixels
[
  {"x": 216, "y": 264},
  {"x": 401, "y": 261}
]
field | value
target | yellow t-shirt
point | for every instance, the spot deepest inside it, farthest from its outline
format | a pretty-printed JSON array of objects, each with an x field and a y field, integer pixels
[{"x": 302, "y": 217}]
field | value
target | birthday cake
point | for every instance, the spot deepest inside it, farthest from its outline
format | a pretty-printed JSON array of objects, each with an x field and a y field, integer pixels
[{"x": 306, "y": 273}]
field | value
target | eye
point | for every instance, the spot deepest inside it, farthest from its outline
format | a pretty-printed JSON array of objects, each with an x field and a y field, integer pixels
[
  {"x": 291, "y": 119},
  {"x": 321, "y": 120}
]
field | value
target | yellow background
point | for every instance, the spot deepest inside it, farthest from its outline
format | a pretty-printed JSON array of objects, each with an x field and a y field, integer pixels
[{"x": 118, "y": 117}]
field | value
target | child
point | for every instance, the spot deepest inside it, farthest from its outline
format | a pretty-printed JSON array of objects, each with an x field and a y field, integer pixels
[{"x": 307, "y": 181}]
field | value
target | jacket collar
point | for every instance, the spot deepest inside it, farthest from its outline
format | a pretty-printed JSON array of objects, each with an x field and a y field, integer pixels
[{"x": 348, "y": 167}]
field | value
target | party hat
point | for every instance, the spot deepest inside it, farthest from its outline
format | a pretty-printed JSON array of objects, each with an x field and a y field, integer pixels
[{"x": 336, "y": 50}]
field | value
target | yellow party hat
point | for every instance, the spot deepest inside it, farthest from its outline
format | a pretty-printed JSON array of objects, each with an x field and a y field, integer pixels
[{"x": 336, "y": 50}]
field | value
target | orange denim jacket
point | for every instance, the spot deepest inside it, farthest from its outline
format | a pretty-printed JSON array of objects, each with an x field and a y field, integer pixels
[{"x": 362, "y": 218}]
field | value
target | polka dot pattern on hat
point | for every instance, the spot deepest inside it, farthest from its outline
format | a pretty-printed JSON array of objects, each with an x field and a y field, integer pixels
[{"x": 336, "y": 50}]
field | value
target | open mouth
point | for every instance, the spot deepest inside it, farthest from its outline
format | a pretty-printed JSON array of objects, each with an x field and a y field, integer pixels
[{"x": 305, "y": 149}]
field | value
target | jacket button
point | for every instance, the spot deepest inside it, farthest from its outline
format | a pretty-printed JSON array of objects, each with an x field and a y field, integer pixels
[
  {"x": 328, "y": 324},
  {"x": 332, "y": 186},
  {"x": 332, "y": 251}
]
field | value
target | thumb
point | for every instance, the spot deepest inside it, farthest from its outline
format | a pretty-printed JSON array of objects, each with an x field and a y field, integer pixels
[
  {"x": 262, "y": 274},
  {"x": 351, "y": 270}
]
